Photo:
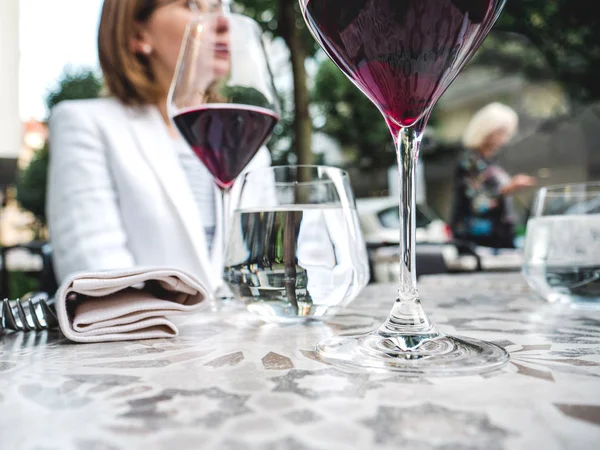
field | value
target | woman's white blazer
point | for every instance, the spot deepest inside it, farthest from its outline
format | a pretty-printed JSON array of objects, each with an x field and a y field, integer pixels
[{"x": 117, "y": 196}]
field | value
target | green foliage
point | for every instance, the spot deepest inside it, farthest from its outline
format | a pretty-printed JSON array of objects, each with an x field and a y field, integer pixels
[
  {"x": 31, "y": 187},
  {"x": 283, "y": 19},
  {"x": 31, "y": 181},
  {"x": 75, "y": 84},
  {"x": 352, "y": 119},
  {"x": 21, "y": 283},
  {"x": 281, "y": 139},
  {"x": 246, "y": 95},
  {"x": 268, "y": 14},
  {"x": 566, "y": 37}
]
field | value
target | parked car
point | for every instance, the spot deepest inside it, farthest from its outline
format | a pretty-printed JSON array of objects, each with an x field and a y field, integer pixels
[
  {"x": 380, "y": 222},
  {"x": 436, "y": 250}
]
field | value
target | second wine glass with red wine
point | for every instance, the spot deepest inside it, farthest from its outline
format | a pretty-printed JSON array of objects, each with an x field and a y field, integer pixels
[
  {"x": 223, "y": 100},
  {"x": 403, "y": 54}
]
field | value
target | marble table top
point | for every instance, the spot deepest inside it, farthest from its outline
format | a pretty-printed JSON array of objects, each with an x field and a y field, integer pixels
[{"x": 231, "y": 382}]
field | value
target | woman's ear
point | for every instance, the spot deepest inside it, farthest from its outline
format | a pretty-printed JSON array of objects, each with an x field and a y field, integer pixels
[{"x": 139, "y": 42}]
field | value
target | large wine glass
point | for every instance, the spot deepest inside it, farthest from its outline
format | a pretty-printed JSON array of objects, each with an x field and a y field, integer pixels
[
  {"x": 403, "y": 54},
  {"x": 222, "y": 99}
]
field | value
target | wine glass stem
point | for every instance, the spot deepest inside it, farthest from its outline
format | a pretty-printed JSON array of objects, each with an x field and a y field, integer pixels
[
  {"x": 225, "y": 199},
  {"x": 406, "y": 153},
  {"x": 223, "y": 292},
  {"x": 407, "y": 319}
]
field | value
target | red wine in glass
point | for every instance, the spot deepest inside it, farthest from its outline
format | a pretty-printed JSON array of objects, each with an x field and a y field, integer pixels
[
  {"x": 225, "y": 136},
  {"x": 403, "y": 55}
]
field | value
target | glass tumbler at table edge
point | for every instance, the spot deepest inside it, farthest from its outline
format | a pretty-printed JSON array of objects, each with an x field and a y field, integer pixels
[
  {"x": 562, "y": 245},
  {"x": 295, "y": 249}
]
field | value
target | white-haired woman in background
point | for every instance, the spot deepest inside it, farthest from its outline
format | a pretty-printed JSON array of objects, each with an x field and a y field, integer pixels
[{"x": 482, "y": 210}]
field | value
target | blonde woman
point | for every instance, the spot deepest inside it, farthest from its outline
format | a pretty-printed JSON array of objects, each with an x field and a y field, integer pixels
[
  {"x": 482, "y": 210},
  {"x": 124, "y": 189}
]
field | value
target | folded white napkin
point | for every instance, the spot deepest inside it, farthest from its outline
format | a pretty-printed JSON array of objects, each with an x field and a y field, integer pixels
[{"x": 127, "y": 304}]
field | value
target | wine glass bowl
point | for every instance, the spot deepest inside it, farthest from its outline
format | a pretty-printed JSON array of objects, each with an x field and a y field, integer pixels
[
  {"x": 222, "y": 98},
  {"x": 403, "y": 55}
]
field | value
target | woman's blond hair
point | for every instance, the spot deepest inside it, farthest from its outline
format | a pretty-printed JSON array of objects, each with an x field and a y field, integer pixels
[
  {"x": 127, "y": 74},
  {"x": 487, "y": 120}
]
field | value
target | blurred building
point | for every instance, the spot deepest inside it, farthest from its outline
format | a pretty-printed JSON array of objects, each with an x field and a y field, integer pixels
[
  {"x": 16, "y": 224},
  {"x": 10, "y": 122}
]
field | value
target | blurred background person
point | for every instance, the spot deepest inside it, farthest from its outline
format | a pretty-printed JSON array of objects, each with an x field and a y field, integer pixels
[
  {"x": 482, "y": 210},
  {"x": 124, "y": 188}
]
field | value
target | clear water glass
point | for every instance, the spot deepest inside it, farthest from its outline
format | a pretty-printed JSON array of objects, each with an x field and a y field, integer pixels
[
  {"x": 295, "y": 247},
  {"x": 562, "y": 245}
]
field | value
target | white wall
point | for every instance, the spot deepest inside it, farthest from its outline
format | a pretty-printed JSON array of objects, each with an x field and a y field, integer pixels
[{"x": 10, "y": 122}]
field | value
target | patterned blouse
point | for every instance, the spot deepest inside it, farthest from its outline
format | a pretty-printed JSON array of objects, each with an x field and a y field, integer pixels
[{"x": 481, "y": 214}]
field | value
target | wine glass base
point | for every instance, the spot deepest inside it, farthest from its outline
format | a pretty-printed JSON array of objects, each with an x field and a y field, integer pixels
[{"x": 440, "y": 356}]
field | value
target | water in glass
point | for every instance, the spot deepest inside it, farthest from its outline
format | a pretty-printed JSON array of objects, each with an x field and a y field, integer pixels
[
  {"x": 562, "y": 245},
  {"x": 295, "y": 256}
]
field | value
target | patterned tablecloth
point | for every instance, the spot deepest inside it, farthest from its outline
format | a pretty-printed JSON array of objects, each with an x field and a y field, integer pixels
[{"x": 230, "y": 382}]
